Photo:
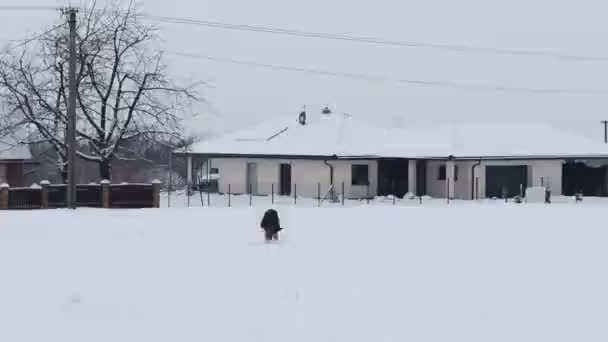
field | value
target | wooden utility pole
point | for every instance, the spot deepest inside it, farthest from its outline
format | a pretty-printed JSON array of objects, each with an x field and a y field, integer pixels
[
  {"x": 605, "y": 122},
  {"x": 71, "y": 134}
]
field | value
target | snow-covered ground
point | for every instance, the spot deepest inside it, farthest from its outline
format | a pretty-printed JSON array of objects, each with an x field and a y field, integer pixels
[{"x": 467, "y": 272}]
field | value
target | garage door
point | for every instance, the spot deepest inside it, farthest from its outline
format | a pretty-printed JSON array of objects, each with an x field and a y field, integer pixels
[{"x": 505, "y": 180}]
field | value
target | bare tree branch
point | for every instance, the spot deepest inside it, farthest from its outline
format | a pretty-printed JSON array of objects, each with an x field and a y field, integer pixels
[{"x": 124, "y": 91}]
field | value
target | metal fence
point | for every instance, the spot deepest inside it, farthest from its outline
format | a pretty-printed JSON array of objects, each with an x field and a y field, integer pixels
[
  {"x": 57, "y": 196},
  {"x": 312, "y": 194},
  {"x": 129, "y": 196},
  {"x": 48, "y": 196},
  {"x": 24, "y": 198}
]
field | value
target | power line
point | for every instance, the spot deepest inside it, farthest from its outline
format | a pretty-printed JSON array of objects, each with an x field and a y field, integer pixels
[
  {"x": 377, "y": 78},
  {"x": 27, "y": 8},
  {"x": 462, "y": 48},
  {"x": 378, "y": 41},
  {"x": 29, "y": 40}
]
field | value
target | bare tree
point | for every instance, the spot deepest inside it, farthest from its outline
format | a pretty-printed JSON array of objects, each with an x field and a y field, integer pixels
[{"x": 124, "y": 92}]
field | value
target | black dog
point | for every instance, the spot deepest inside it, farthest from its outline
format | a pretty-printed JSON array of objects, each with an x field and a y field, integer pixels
[{"x": 271, "y": 225}]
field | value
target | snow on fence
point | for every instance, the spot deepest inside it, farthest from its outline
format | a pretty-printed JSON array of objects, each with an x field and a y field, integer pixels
[{"x": 93, "y": 195}]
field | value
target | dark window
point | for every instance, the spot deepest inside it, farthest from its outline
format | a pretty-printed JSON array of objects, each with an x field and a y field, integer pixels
[
  {"x": 214, "y": 171},
  {"x": 455, "y": 173},
  {"x": 441, "y": 173},
  {"x": 360, "y": 175}
]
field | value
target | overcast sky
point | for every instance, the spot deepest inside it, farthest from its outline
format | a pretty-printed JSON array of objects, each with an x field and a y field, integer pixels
[{"x": 239, "y": 95}]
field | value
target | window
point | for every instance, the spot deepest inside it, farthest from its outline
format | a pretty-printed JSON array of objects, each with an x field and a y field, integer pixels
[
  {"x": 455, "y": 173},
  {"x": 214, "y": 171},
  {"x": 360, "y": 175},
  {"x": 441, "y": 173}
]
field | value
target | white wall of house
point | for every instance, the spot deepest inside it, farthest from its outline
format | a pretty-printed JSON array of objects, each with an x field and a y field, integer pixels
[
  {"x": 540, "y": 173},
  {"x": 461, "y": 180},
  {"x": 306, "y": 175}
]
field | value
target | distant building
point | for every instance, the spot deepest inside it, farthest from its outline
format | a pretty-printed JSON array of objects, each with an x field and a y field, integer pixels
[
  {"x": 328, "y": 152},
  {"x": 14, "y": 158}
]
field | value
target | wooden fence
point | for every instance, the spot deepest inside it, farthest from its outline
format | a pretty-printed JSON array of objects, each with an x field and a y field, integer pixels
[{"x": 104, "y": 195}]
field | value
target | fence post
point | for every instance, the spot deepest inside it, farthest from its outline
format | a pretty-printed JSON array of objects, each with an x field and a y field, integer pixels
[
  {"x": 319, "y": 194},
  {"x": 208, "y": 196},
  {"x": 394, "y": 192},
  {"x": 45, "y": 193},
  {"x": 156, "y": 193},
  {"x": 295, "y": 194},
  {"x": 367, "y": 193},
  {"x": 229, "y": 193},
  {"x": 4, "y": 195},
  {"x": 188, "y": 193},
  {"x": 343, "y": 194},
  {"x": 477, "y": 188},
  {"x": 105, "y": 193},
  {"x": 272, "y": 193},
  {"x": 250, "y": 194}
]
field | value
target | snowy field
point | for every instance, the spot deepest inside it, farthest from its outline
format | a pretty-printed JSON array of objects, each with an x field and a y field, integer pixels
[{"x": 467, "y": 272}]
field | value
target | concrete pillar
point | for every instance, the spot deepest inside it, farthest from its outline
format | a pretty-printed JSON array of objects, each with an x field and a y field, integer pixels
[
  {"x": 105, "y": 193},
  {"x": 411, "y": 176},
  {"x": 189, "y": 171},
  {"x": 156, "y": 193},
  {"x": 45, "y": 193},
  {"x": 4, "y": 195},
  {"x": 450, "y": 177}
]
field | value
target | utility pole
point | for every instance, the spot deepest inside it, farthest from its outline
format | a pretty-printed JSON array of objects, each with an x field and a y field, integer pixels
[
  {"x": 605, "y": 122},
  {"x": 71, "y": 136}
]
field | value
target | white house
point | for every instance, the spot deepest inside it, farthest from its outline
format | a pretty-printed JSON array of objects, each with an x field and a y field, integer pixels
[{"x": 332, "y": 153}]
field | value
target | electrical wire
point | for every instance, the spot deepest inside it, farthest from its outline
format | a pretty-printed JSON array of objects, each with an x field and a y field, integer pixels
[
  {"x": 378, "y": 41},
  {"x": 29, "y": 40},
  {"x": 377, "y": 78},
  {"x": 461, "y": 48}
]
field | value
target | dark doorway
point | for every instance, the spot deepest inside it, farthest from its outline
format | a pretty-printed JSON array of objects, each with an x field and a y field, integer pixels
[
  {"x": 420, "y": 177},
  {"x": 506, "y": 181},
  {"x": 582, "y": 178},
  {"x": 392, "y": 177},
  {"x": 285, "y": 180}
]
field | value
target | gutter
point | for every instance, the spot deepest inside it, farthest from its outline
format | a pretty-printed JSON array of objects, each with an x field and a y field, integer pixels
[
  {"x": 331, "y": 172},
  {"x": 473, "y": 178},
  {"x": 331, "y": 176}
]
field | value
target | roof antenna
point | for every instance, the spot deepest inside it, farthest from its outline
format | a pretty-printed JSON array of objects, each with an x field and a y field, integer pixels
[{"x": 302, "y": 117}]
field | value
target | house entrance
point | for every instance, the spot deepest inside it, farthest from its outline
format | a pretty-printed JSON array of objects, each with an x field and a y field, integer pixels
[
  {"x": 392, "y": 177},
  {"x": 285, "y": 180},
  {"x": 579, "y": 177},
  {"x": 252, "y": 178},
  {"x": 506, "y": 181}
]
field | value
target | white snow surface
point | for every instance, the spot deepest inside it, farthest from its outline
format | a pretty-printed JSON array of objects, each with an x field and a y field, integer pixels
[
  {"x": 467, "y": 272},
  {"x": 345, "y": 136}
]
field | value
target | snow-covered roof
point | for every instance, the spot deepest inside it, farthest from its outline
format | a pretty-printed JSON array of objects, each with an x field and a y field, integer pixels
[
  {"x": 343, "y": 136},
  {"x": 11, "y": 149}
]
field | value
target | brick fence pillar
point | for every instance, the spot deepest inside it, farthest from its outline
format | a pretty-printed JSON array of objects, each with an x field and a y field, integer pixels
[
  {"x": 4, "y": 195},
  {"x": 45, "y": 193},
  {"x": 156, "y": 193},
  {"x": 105, "y": 193}
]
